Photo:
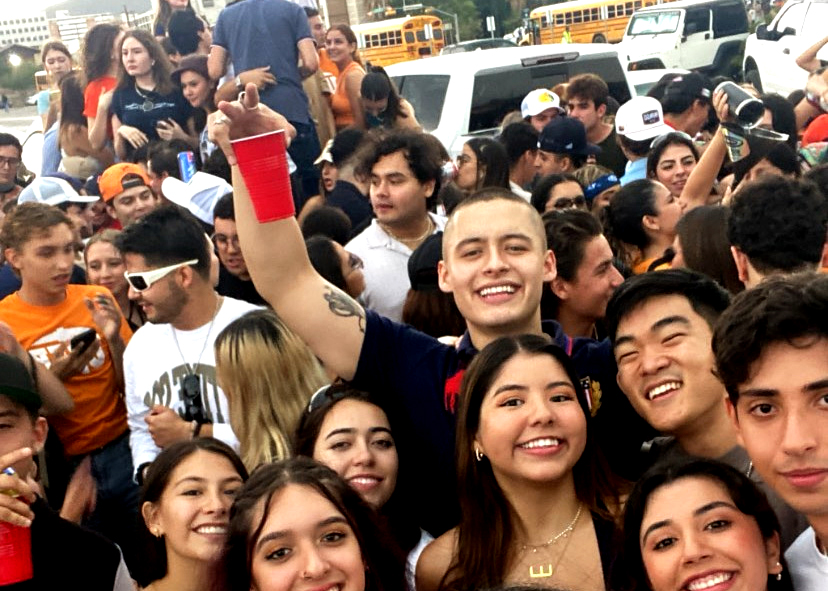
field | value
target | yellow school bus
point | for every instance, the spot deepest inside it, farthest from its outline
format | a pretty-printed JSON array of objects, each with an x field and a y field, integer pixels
[
  {"x": 589, "y": 21},
  {"x": 399, "y": 39}
]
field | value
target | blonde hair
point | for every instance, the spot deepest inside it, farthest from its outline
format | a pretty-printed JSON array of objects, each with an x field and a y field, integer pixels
[{"x": 268, "y": 374}]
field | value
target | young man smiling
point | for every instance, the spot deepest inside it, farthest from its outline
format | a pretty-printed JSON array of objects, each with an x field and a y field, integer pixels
[
  {"x": 771, "y": 351},
  {"x": 127, "y": 192},
  {"x": 495, "y": 262},
  {"x": 661, "y": 325}
]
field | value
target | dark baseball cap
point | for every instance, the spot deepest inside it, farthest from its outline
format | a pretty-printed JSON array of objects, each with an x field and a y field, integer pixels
[
  {"x": 422, "y": 264},
  {"x": 694, "y": 85},
  {"x": 566, "y": 135},
  {"x": 17, "y": 384}
]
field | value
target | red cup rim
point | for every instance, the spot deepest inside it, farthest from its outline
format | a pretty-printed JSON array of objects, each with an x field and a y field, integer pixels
[{"x": 254, "y": 137}]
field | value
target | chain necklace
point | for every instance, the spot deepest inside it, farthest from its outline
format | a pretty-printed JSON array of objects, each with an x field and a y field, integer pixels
[
  {"x": 192, "y": 370},
  {"x": 541, "y": 570},
  {"x": 429, "y": 229},
  {"x": 148, "y": 104},
  {"x": 562, "y": 534}
]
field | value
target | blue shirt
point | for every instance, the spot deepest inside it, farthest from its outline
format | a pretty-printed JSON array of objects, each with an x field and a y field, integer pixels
[
  {"x": 258, "y": 33},
  {"x": 636, "y": 170}
]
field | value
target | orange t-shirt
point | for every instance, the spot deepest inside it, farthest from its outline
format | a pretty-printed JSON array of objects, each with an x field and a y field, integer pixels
[
  {"x": 93, "y": 92},
  {"x": 326, "y": 65},
  {"x": 340, "y": 105},
  {"x": 99, "y": 416}
]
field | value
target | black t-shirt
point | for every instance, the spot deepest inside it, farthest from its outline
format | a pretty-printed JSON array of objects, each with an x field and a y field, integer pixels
[
  {"x": 143, "y": 111},
  {"x": 231, "y": 286}
]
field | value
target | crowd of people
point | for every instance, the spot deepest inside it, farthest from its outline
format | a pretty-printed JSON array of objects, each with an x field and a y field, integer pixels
[{"x": 588, "y": 353}]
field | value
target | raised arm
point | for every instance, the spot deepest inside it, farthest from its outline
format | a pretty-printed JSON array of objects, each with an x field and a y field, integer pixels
[
  {"x": 696, "y": 191},
  {"x": 330, "y": 322},
  {"x": 808, "y": 60}
]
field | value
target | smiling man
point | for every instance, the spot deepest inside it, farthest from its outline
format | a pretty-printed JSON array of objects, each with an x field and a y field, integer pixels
[
  {"x": 127, "y": 191},
  {"x": 495, "y": 261},
  {"x": 771, "y": 351},
  {"x": 169, "y": 367},
  {"x": 661, "y": 325},
  {"x": 405, "y": 172}
]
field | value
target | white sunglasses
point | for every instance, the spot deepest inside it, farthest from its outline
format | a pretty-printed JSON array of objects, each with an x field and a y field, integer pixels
[{"x": 143, "y": 280}]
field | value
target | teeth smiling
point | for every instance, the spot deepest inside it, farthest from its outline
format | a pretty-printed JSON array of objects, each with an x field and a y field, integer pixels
[
  {"x": 212, "y": 529},
  {"x": 707, "y": 582},
  {"x": 497, "y": 289},
  {"x": 535, "y": 443},
  {"x": 663, "y": 389},
  {"x": 365, "y": 481}
]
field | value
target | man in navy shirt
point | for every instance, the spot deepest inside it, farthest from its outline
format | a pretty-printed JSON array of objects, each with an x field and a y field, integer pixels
[{"x": 495, "y": 262}]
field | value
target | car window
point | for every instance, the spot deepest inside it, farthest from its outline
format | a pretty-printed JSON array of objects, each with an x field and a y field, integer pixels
[
  {"x": 697, "y": 20},
  {"x": 426, "y": 93},
  {"x": 654, "y": 23},
  {"x": 496, "y": 93},
  {"x": 729, "y": 18},
  {"x": 792, "y": 17}
]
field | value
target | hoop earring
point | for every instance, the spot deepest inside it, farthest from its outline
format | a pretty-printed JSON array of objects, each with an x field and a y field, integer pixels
[{"x": 479, "y": 455}]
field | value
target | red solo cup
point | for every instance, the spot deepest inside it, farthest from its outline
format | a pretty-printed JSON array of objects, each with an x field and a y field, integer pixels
[
  {"x": 15, "y": 554},
  {"x": 263, "y": 164}
]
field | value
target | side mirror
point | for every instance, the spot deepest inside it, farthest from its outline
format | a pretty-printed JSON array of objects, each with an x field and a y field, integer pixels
[
  {"x": 762, "y": 32},
  {"x": 788, "y": 31}
]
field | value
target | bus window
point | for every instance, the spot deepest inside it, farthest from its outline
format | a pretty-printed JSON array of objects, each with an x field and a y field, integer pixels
[
  {"x": 594, "y": 14},
  {"x": 611, "y": 11},
  {"x": 559, "y": 19},
  {"x": 438, "y": 34},
  {"x": 637, "y": 4},
  {"x": 409, "y": 37},
  {"x": 576, "y": 17},
  {"x": 628, "y": 8},
  {"x": 421, "y": 36}
]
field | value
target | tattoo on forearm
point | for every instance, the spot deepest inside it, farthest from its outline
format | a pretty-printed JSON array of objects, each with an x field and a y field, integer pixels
[{"x": 342, "y": 305}]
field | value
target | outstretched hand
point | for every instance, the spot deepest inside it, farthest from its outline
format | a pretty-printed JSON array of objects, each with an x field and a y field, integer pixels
[{"x": 245, "y": 117}]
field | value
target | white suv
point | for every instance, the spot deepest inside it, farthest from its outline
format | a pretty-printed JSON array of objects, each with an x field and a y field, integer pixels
[
  {"x": 771, "y": 52},
  {"x": 467, "y": 94}
]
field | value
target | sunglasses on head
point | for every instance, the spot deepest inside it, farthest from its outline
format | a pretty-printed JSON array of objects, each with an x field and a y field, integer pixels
[
  {"x": 324, "y": 395},
  {"x": 143, "y": 280}
]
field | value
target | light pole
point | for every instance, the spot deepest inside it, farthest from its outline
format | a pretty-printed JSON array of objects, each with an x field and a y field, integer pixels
[{"x": 456, "y": 24}]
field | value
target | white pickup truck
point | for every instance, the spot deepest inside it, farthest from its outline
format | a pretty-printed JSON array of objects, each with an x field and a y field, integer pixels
[{"x": 771, "y": 52}]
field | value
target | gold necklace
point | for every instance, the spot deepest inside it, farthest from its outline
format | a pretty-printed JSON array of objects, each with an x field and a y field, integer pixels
[
  {"x": 429, "y": 229},
  {"x": 562, "y": 534},
  {"x": 543, "y": 571}
]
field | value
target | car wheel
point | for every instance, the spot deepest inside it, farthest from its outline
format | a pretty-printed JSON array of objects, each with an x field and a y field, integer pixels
[
  {"x": 599, "y": 38},
  {"x": 752, "y": 77}
]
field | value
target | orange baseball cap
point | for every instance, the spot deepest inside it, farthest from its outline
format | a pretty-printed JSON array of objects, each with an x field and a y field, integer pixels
[{"x": 114, "y": 179}]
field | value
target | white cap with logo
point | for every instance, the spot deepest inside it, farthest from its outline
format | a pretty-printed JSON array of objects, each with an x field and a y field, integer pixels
[{"x": 641, "y": 118}]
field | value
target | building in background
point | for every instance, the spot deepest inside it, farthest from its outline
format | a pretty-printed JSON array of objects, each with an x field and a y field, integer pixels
[{"x": 29, "y": 28}]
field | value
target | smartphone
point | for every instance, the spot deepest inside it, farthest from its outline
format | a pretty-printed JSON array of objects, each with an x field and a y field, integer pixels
[{"x": 83, "y": 341}]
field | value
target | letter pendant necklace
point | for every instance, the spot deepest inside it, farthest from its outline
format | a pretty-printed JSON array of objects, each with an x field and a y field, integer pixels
[
  {"x": 540, "y": 570},
  {"x": 148, "y": 104}
]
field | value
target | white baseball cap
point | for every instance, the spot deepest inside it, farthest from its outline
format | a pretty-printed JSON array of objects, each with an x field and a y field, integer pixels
[
  {"x": 641, "y": 118},
  {"x": 538, "y": 101},
  {"x": 52, "y": 191},
  {"x": 199, "y": 195}
]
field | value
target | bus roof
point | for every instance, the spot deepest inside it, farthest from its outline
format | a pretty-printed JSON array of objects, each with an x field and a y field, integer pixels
[
  {"x": 495, "y": 58},
  {"x": 572, "y": 5},
  {"x": 391, "y": 23}
]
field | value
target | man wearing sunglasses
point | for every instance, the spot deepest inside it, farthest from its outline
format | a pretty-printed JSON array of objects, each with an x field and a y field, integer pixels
[
  {"x": 169, "y": 367},
  {"x": 50, "y": 318}
]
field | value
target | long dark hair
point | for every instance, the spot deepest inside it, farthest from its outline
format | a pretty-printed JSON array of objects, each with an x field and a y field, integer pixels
[
  {"x": 376, "y": 85},
  {"x": 385, "y": 569},
  {"x": 397, "y": 511},
  {"x": 71, "y": 101},
  {"x": 153, "y": 565},
  {"x": 492, "y": 156},
  {"x": 161, "y": 70},
  {"x": 660, "y": 144},
  {"x": 702, "y": 234},
  {"x": 745, "y": 495},
  {"x": 485, "y": 532},
  {"x": 324, "y": 259},
  {"x": 163, "y": 14},
  {"x": 96, "y": 54},
  {"x": 623, "y": 217}
]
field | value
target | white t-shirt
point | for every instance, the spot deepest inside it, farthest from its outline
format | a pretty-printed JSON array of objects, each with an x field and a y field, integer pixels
[
  {"x": 386, "y": 268},
  {"x": 154, "y": 368},
  {"x": 809, "y": 566}
]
